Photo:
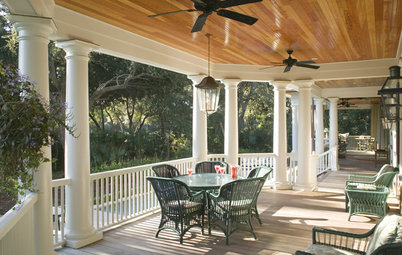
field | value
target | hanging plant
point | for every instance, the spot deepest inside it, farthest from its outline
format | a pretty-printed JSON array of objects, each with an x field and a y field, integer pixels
[{"x": 27, "y": 123}]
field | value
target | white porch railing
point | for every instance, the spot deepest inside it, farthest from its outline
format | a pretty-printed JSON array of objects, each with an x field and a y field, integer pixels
[
  {"x": 17, "y": 228},
  {"x": 291, "y": 170},
  {"x": 324, "y": 162},
  {"x": 59, "y": 210},
  {"x": 125, "y": 194}
]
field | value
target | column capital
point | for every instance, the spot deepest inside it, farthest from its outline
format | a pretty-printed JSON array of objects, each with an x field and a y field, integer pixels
[
  {"x": 304, "y": 84},
  {"x": 318, "y": 100},
  {"x": 77, "y": 47},
  {"x": 196, "y": 78},
  {"x": 29, "y": 26},
  {"x": 280, "y": 84},
  {"x": 333, "y": 99},
  {"x": 231, "y": 83}
]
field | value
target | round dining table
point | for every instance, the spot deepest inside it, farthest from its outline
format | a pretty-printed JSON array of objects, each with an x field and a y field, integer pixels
[{"x": 205, "y": 181}]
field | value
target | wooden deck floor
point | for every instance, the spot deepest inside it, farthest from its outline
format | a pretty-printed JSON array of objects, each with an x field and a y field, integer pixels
[{"x": 288, "y": 217}]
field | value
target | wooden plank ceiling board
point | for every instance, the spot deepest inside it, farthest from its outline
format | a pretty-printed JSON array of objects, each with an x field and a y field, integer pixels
[
  {"x": 325, "y": 31},
  {"x": 351, "y": 83}
]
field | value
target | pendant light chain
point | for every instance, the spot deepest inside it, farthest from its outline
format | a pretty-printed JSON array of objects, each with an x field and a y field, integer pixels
[{"x": 209, "y": 52}]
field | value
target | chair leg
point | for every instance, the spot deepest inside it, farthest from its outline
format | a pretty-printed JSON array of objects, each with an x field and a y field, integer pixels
[
  {"x": 257, "y": 215},
  {"x": 202, "y": 224},
  {"x": 252, "y": 229},
  {"x": 227, "y": 227}
]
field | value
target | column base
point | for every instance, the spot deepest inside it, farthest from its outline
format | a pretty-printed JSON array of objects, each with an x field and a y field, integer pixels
[
  {"x": 282, "y": 186},
  {"x": 79, "y": 243},
  {"x": 305, "y": 187}
]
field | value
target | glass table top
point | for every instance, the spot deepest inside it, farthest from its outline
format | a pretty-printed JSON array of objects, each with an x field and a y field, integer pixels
[{"x": 206, "y": 180}]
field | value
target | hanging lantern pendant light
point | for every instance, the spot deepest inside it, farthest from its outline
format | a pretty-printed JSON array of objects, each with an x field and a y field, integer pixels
[{"x": 208, "y": 89}]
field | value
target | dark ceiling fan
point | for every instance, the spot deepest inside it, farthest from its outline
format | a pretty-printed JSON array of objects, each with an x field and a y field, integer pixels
[
  {"x": 207, "y": 7},
  {"x": 290, "y": 62}
]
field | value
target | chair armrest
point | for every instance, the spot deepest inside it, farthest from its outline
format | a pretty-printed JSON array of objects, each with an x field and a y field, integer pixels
[
  {"x": 364, "y": 178},
  {"x": 349, "y": 182},
  {"x": 342, "y": 240},
  {"x": 197, "y": 196},
  {"x": 302, "y": 253}
]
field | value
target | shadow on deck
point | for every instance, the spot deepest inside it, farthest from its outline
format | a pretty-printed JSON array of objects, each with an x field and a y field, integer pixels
[{"x": 288, "y": 217}]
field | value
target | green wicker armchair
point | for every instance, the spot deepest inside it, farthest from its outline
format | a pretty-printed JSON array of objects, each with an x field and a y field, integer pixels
[
  {"x": 262, "y": 172},
  {"x": 367, "y": 200},
  {"x": 180, "y": 209},
  {"x": 231, "y": 207},
  {"x": 165, "y": 170},
  {"x": 209, "y": 166},
  {"x": 383, "y": 178},
  {"x": 384, "y": 239}
]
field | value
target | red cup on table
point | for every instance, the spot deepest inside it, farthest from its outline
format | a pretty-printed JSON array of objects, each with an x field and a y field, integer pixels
[{"x": 234, "y": 172}]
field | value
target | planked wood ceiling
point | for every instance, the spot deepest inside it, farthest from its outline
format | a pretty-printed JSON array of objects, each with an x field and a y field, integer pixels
[{"x": 325, "y": 31}]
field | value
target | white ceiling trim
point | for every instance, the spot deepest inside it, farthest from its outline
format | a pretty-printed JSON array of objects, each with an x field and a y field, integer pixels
[{"x": 351, "y": 92}]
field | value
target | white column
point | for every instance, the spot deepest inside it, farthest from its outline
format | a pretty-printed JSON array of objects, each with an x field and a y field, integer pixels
[
  {"x": 200, "y": 134},
  {"x": 319, "y": 125},
  {"x": 78, "y": 228},
  {"x": 231, "y": 121},
  {"x": 307, "y": 176},
  {"x": 294, "y": 102},
  {"x": 33, "y": 34},
  {"x": 280, "y": 135},
  {"x": 333, "y": 130}
]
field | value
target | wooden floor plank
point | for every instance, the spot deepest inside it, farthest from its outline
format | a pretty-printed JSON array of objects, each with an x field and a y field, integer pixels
[{"x": 288, "y": 217}]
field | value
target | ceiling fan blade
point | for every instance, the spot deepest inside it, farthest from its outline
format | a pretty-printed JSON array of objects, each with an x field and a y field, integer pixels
[
  {"x": 230, "y": 3},
  {"x": 287, "y": 69},
  {"x": 306, "y": 62},
  {"x": 173, "y": 12},
  {"x": 199, "y": 23},
  {"x": 307, "y": 66},
  {"x": 237, "y": 16},
  {"x": 200, "y": 2}
]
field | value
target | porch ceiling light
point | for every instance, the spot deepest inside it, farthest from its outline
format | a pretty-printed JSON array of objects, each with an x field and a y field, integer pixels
[
  {"x": 208, "y": 89},
  {"x": 391, "y": 96}
]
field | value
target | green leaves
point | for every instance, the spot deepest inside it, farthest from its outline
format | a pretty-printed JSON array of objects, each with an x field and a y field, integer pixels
[{"x": 27, "y": 123}]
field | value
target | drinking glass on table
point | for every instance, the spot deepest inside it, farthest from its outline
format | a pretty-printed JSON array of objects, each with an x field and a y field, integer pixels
[
  {"x": 222, "y": 169},
  {"x": 217, "y": 168},
  {"x": 190, "y": 171}
]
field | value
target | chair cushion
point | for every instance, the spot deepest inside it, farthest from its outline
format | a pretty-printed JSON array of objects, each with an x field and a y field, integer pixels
[
  {"x": 387, "y": 231},
  {"x": 186, "y": 206},
  {"x": 319, "y": 249}
]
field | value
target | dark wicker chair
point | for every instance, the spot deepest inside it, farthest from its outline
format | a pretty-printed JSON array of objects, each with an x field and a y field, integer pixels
[
  {"x": 383, "y": 239},
  {"x": 209, "y": 166},
  {"x": 180, "y": 209},
  {"x": 165, "y": 170},
  {"x": 232, "y": 206},
  {"x": 259, "y": 172}
]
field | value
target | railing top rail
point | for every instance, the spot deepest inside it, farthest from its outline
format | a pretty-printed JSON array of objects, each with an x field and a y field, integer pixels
[
  {"x": 61, "y": 182},
  {"x": 256, "y": 154},
  {"x": 94, "y": 176},
  {"x": 8, "y": 220}
]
